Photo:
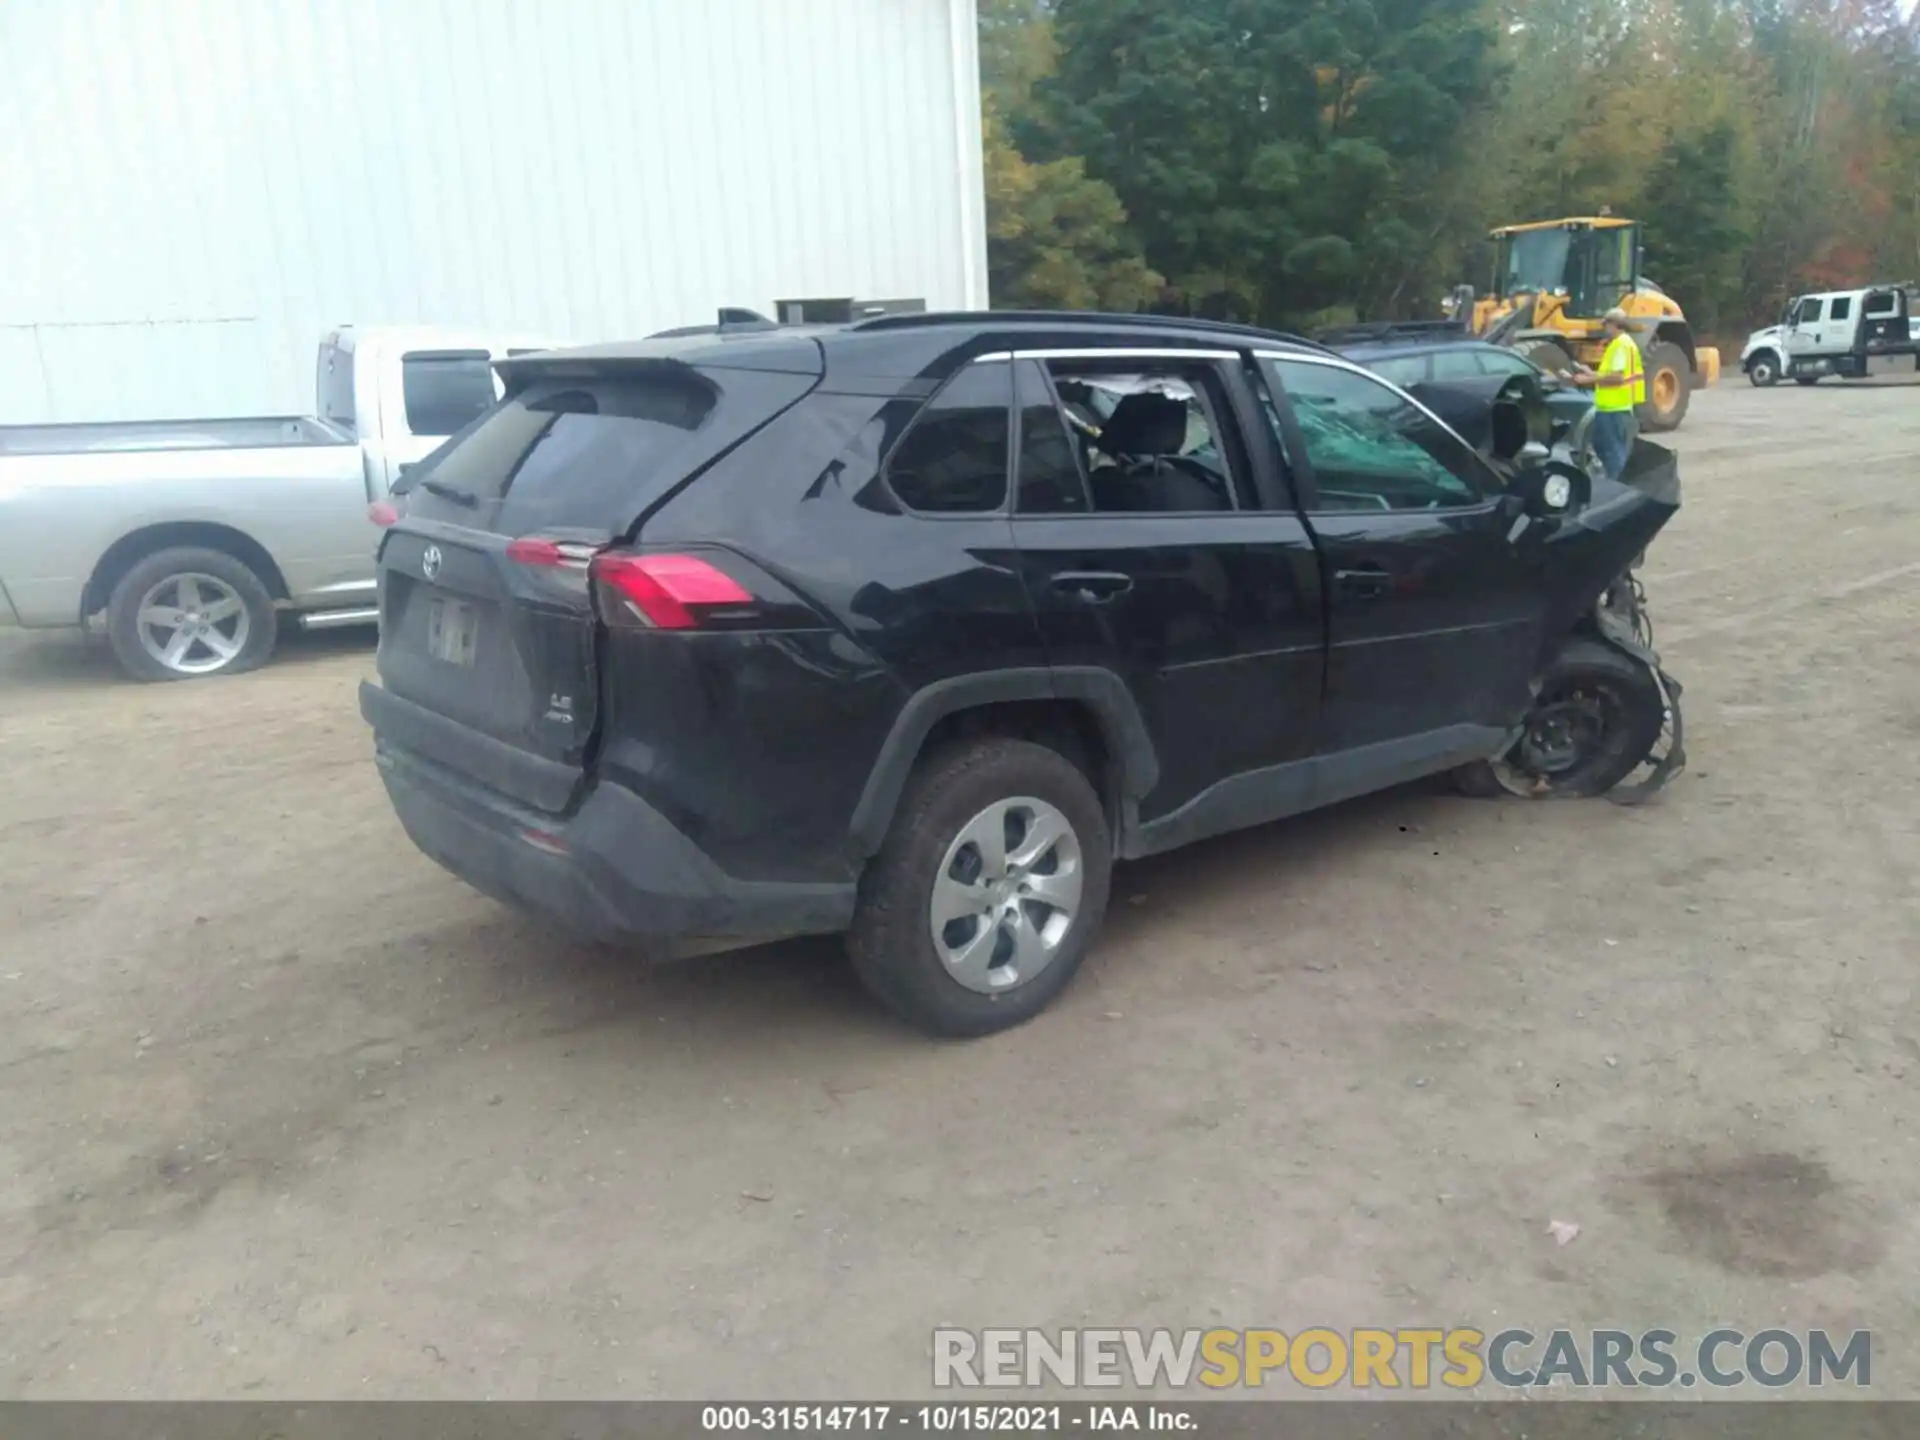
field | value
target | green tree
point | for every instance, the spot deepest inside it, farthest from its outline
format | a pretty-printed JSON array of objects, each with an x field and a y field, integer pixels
[
  {"x": 1276, "y": 158},
  {"x": 1056, "y": 237},
  {"x": 1693, "y": 227},
  {"x": 1286, "y": 159}
]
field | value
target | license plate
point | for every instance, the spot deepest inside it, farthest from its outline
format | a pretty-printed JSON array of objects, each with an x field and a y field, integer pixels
[{"x": 453, "y": 632}]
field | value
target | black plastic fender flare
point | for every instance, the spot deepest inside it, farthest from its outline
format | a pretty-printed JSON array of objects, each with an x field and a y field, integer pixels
[{"x": 1100, "y": 690}]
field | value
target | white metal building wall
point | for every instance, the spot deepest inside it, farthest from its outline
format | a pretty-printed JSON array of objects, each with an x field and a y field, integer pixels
[{"x": 191, "y": 190}]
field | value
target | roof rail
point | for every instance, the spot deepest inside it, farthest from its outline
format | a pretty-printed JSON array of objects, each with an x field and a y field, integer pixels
[
  {"x": 1390, "y": 330},
  {"x": 932, "y": 318}
]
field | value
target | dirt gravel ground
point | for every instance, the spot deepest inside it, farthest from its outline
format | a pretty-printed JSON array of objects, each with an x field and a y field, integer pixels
[{"x": 290, "y": 1112}]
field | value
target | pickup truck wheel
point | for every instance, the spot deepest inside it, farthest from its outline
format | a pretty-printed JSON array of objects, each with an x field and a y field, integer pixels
[
  {"x": 190, "y": 612},
  {"x": 987, "y": 891},
  {"x": 1598, "y": 714},
  {"x": 1764, "y": 369}
]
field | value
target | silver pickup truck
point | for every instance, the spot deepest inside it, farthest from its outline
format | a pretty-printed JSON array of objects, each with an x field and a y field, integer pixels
[{"x": 191, "y": 540}]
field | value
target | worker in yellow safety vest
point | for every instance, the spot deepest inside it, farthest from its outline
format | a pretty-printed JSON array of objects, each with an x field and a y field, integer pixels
[{"x": 1618, "y": 385}]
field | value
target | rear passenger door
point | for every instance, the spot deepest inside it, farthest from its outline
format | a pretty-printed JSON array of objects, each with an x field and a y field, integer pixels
[
  {"x": 1837, "y": 334},
  {"x": 1434, "y": 614},
  {"x": 1148, "y": 550}
]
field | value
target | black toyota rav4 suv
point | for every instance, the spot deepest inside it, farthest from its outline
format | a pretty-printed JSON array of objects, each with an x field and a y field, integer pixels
[{"x": 910, "y": 629}]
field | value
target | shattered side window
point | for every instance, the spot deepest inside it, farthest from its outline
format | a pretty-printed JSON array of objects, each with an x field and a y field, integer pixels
[{"x": 1370, "y": 448}]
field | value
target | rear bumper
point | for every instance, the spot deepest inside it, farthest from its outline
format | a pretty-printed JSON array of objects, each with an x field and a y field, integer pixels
[{"x": 614, "y": 869}]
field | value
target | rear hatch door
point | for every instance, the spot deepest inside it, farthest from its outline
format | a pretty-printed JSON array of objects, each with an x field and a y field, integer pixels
[{"x": 488, "y": 648}]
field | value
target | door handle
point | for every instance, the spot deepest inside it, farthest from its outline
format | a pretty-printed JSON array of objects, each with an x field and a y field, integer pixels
[
  {"x": 1366, "y": 584},
  {"x": 1092, "y": 587}
]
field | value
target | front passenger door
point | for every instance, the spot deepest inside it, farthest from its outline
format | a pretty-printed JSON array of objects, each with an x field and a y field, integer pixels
[
  {"x": 1803, "y": 330},
  {"x": 1434, "y": 614}
]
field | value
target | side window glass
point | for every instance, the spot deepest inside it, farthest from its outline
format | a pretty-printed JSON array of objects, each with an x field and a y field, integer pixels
[
  {"x": 953, "y": 459},
  {"x": 1402, "y": 370},
  {"x": 1370, "y": 449},
  {"x": 445, "y": 390},
  {"x": 1842, "y": 308},
  {"x": 1148, "y": 439},
  {"x": 1505, "y": 363},
  {"x": 1809, "y": 312},
  {"x": 1883, "y": 303},
  {"x": 1051, "y": 480},
  {"x": 1456, "y": 365}
]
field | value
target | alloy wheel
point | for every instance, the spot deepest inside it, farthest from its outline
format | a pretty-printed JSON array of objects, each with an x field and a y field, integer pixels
[
  {"x": 1006, "y": 894},
  {"x": 193, "y": 624}
]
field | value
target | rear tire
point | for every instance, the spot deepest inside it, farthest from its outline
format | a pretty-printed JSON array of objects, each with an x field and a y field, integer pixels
[
  {"x": 1669, "y": 386},
  {"x": 1763, "y": 370},
  {"x": 962, "y": 978},
  {"x": 190, "y": 612},
  {"x": 1589, "y": 681}
]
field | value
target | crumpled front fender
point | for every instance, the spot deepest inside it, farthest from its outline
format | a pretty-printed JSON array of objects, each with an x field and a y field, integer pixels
[
  {"x": 1618, "y": 631},
  {"x": 1603, "y": 540}
]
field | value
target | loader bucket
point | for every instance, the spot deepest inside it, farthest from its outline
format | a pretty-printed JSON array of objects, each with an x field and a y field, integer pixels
[{"x": 1706, "y": 366}]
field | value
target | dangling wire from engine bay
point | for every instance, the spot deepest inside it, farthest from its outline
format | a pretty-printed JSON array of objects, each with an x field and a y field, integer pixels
[{"x": 1623, "y": 619}]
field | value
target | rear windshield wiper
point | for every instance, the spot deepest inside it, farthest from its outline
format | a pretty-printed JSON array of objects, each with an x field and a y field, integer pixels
[{"x": 448, "y": 492}]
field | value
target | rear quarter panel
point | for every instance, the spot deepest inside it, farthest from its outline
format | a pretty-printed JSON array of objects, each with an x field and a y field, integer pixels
[{"x": 760, "y": 749}]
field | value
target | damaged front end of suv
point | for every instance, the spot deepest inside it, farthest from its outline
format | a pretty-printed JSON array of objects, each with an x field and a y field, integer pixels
[{"x": 1605, "y": 718}]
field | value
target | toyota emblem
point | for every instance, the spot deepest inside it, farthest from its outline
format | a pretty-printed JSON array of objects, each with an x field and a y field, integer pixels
[{"x": 430, "y": 561}]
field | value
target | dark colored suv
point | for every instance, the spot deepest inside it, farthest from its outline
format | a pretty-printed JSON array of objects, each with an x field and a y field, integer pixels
[
  {"x": 909, "y": 629},
  {"x": 1418, "y": 356}
]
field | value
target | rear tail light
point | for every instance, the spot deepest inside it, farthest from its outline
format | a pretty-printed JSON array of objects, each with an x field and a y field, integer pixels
[
  {"x": 668, "y": 592},
  {"x": 383, "y": 513}
]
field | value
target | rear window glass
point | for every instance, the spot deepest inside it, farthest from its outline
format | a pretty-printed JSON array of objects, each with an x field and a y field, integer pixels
[
  {"x": 566, "y": 454},
  {"x": 445, "y": 389},
  {"x": 1456, "y": 365}
]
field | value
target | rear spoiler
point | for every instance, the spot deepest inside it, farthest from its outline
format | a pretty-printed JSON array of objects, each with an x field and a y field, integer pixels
[
  {"x": 691, "y": 358},
  {"x": 595, "y": 363},
  {"x": 1392, "y": 330}
]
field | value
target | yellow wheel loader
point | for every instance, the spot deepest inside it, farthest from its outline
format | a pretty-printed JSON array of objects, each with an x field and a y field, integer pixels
[{"x": 1554, "y": 279}]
